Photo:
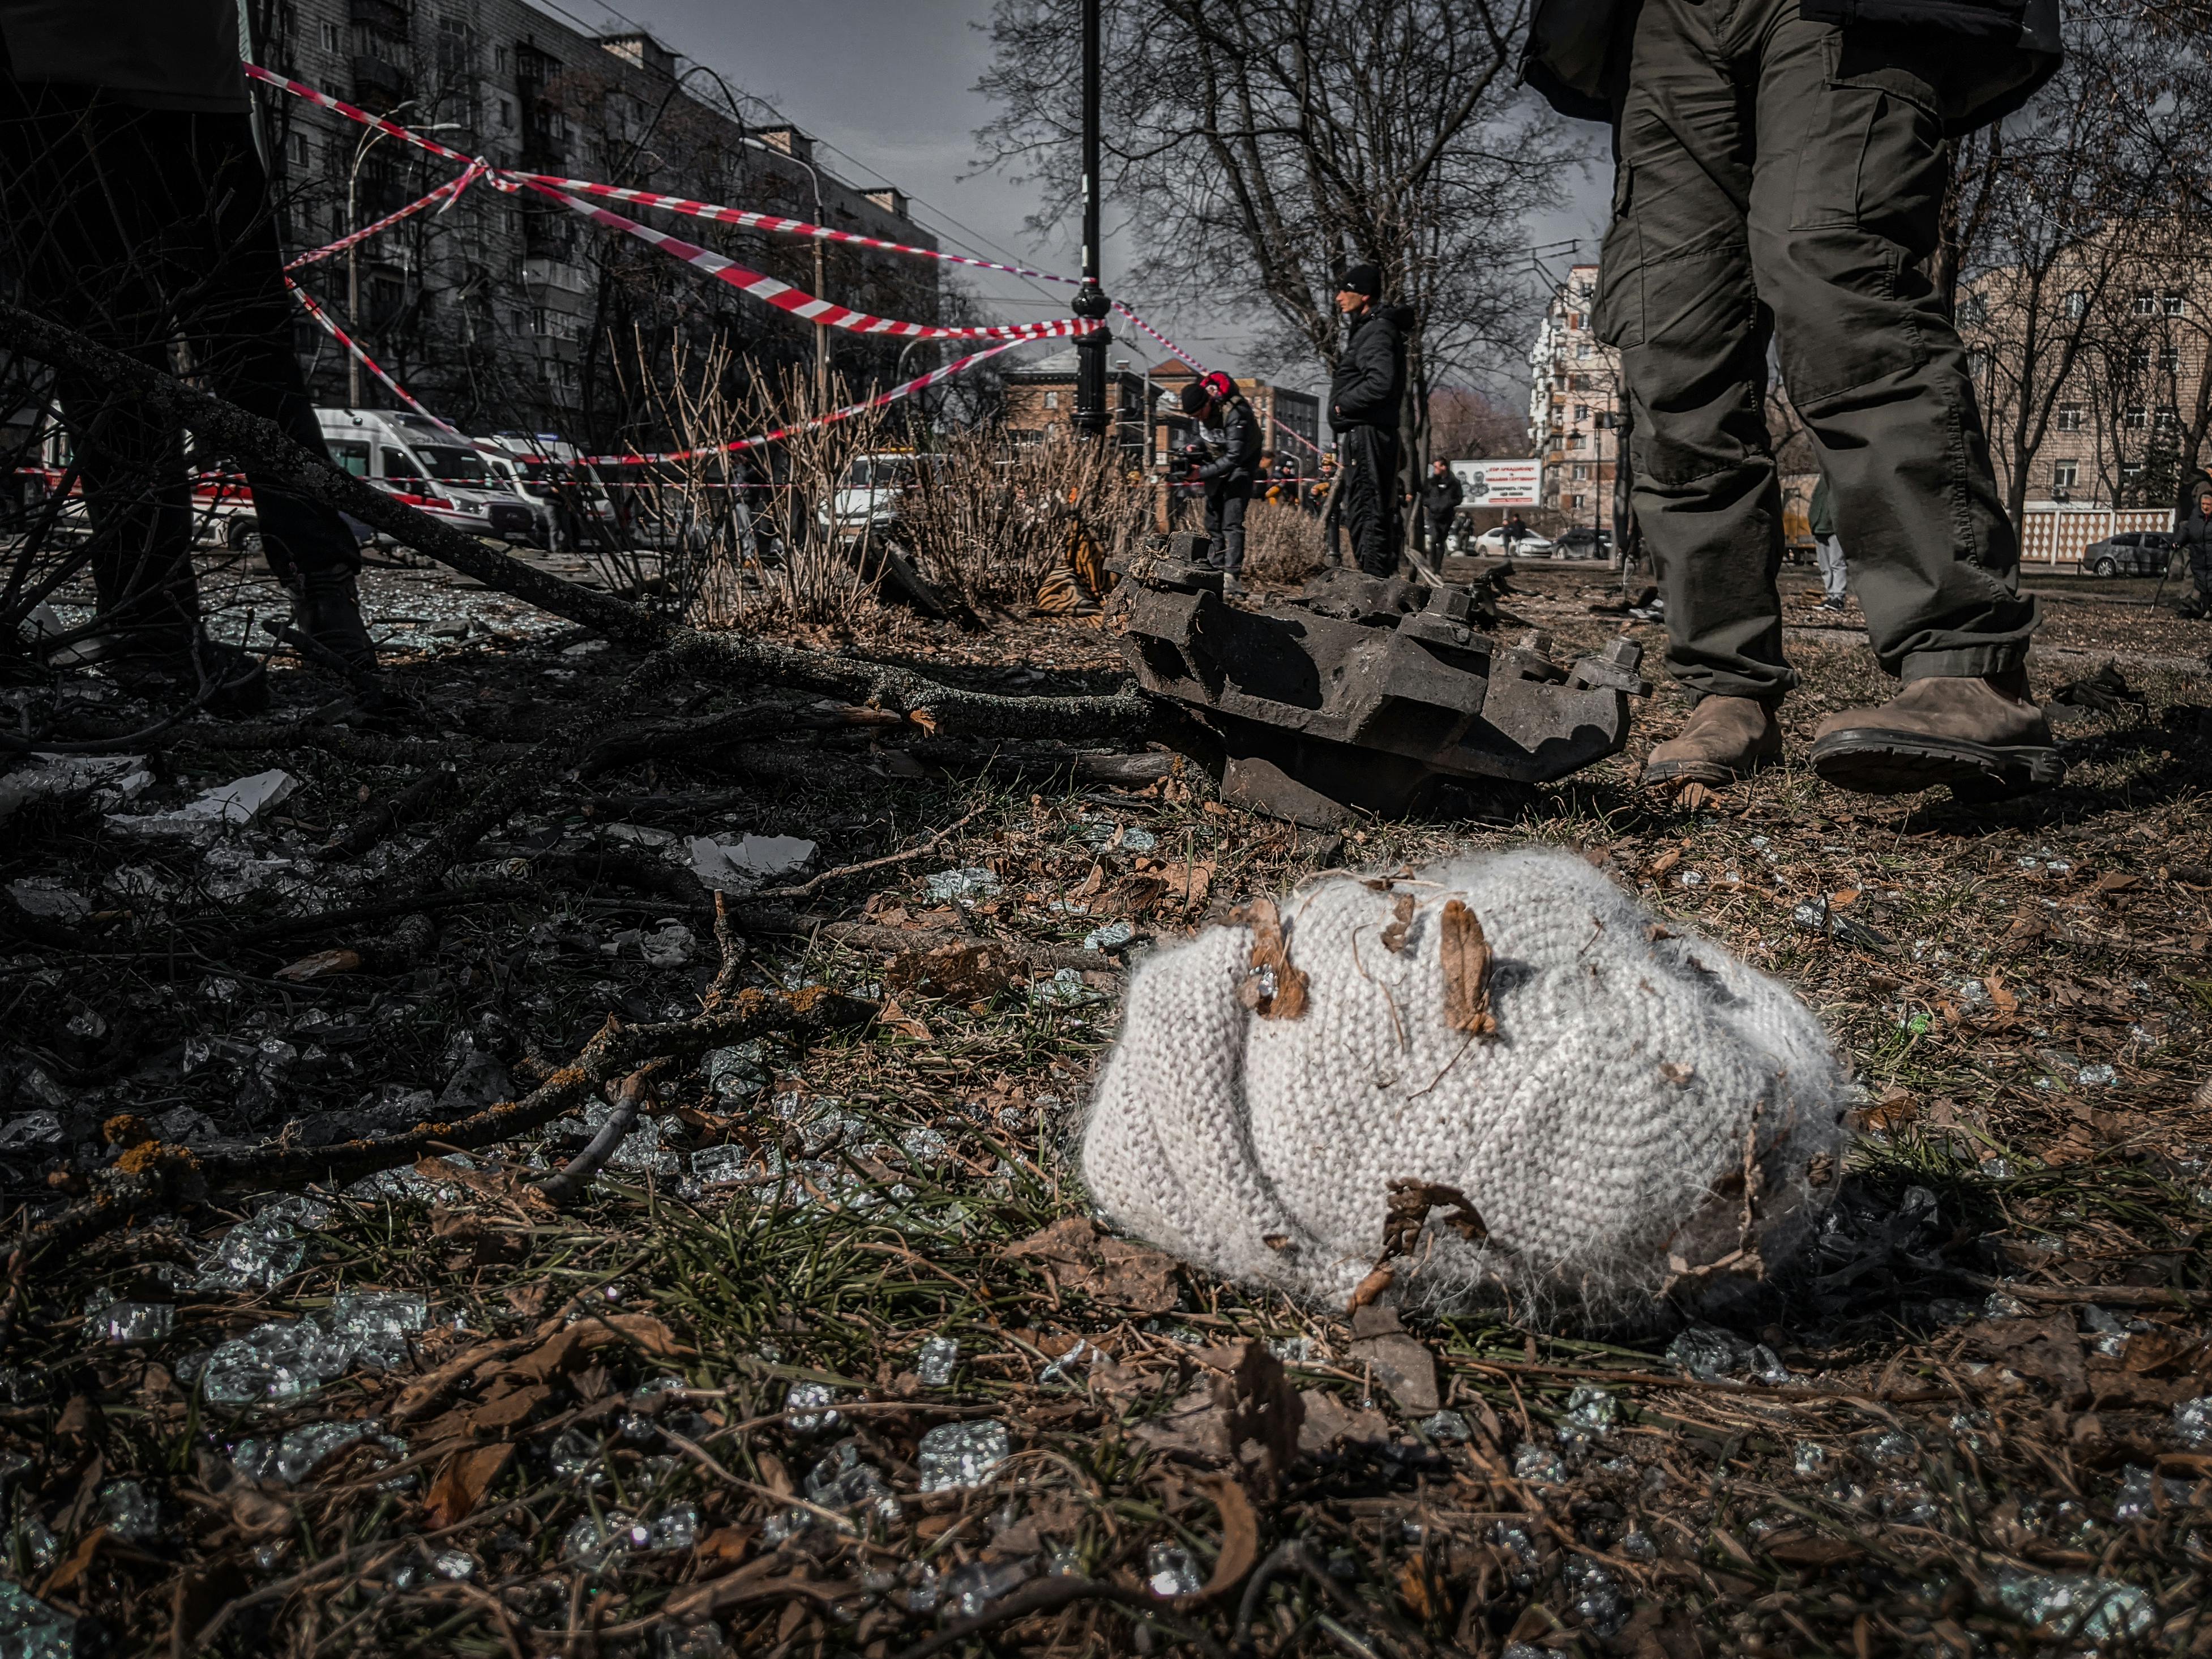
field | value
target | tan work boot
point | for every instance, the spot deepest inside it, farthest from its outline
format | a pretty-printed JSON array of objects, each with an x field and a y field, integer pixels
[
  {"x": 1982, "y": 737},
  {"x": 1727, "y": 739}
]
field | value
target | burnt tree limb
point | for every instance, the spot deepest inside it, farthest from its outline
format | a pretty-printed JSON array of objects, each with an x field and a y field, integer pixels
[
  {"x": 247, "y": 438},
  {"x": 931, "y": 704}
]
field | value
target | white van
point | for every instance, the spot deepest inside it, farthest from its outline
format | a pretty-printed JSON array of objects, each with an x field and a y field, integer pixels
[
  {"x": 545, "y": 470},
  {"x": 415, "y": 459}
]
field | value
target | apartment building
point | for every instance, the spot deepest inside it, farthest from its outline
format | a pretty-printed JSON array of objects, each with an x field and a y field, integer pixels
[
  {"x": 1574, "y": 394},
  {"x": 510, "y": 310}
]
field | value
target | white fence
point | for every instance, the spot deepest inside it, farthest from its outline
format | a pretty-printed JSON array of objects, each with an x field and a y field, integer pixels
[{"x": 2055, "y": 532}]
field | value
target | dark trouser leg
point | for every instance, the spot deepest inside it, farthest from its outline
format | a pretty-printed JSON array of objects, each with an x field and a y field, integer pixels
[
  {"x": 1214, "y": 493},
  {"x": 1676, "y": 296},
  {"x": 1440, "y": 525},
  {"x": 71, "y": 196},
  {"x": 1844, "y": 210},
  {"x": 1368, "y": 479},
  {"x": 1230, "y": 556}
]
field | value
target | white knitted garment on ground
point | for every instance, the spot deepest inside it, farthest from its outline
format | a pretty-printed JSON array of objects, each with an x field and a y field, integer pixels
[{"x": 1649, "y": 1108}]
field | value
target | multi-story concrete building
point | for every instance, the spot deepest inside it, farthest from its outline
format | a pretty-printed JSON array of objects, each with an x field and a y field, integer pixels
[
  {"x": 510, "y": 310},
  {"x": 1574, "y": 395}
]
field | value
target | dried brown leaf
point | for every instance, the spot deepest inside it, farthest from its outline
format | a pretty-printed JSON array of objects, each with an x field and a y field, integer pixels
[
  {"x": 319, "y": 965},
  {"x": 1464, "y": 954},
  {"x": 463, "y": 1481},
  {"x": 1368, "y": 1288},
  {"x": 1677, "y": 1073},
  {"x": 1271, "y": 963},
  {"x": 1402, "y": 921},
  {"x": 1408, "y": 1208}
]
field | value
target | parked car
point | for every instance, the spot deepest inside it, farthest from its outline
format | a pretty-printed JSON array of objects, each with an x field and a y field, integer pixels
[
  {"x": 2130, "y": 553},
  {"x": 873, "y": 493},
  {"x": 1583, "y": 542},
  {"x": 1530, "y": 545}
]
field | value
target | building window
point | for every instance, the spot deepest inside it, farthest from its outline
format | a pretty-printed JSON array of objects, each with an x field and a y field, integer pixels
[
  {"x": 1052, "y": 400},
  {"x": 296, "y": 147},
  {"x": 2145, "y": 305},
  {"x": 1581, "y": 473},
  {"x": 1582, "y": 411},
  {"x": 506, "y": 119},
  {"x": 2169, "y": 359},
  {"x": 499, "y": 59},
  {"x": 1973, "y": 311},
  {"x": 2064, "y": 475},
  {"x": 2139, "y": 359},
  {"x": 2135, "y": 416},
  {"x": 2170, "y": 304},
  {"x": 2132, "y": 469},
  {"x": 2168, "y": 417},
  {"x": 329, "y": 38},
  {"x": 2077, "y": 302},
  {"x": 1579, "y": 503},
  {"x": 2070, "y": 417}
]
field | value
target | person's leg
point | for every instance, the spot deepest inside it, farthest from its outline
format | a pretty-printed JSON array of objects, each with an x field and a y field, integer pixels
[
  {"x": 1360, "y": 476},
  {"x": 1213, "y": 499},
  {"x": 234, "y": 308},
  {"x": 1233, "y": 504},
  {"x": 1829, "y": 555},
  {"x": 73, "y": 193},
  {"x": 1675, "y": 296},
  {"x": 1845, "y": 209}
]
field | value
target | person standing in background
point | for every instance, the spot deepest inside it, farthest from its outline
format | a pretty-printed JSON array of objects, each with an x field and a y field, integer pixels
[
  {"x": 1364, "y": 396},
  {"x": 1828, "y": 546}
]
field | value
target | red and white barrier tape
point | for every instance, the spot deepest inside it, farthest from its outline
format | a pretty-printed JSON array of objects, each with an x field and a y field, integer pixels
[
  {"x": 1300, "y": 436},
  {"x": 330, "y": 328},
  {"x": 776, "y": 224},
  {"x": 301, "y": 90},
  {"x": 449, "y": 192},
  {"x": 797, "y": 301},
  {"x": 905, "y": 389},
  {"x": 1161, "y": 337}
]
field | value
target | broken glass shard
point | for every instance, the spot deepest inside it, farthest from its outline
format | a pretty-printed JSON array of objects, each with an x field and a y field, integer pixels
[{"x": 957, "y": 1454}]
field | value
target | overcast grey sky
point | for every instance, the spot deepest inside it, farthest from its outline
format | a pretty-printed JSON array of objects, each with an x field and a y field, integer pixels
[{"x": 888, "y": 86}]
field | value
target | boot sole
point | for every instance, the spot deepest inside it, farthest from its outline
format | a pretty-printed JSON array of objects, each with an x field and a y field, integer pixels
[
  {"x": 1710, "y": 773},
  {"x": 1872, "y": 761}
]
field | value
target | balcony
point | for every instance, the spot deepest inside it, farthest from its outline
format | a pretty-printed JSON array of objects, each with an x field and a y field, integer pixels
[
  {"x": 378, "y": 86},
  {"x": 386, "y": 17}
]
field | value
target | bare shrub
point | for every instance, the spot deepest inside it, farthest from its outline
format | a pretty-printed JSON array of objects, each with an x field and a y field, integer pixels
[
  {"x": 994, "y": 519},
  {"x": 747, "y": 538},
  {"x": 1282, "y": 544}
]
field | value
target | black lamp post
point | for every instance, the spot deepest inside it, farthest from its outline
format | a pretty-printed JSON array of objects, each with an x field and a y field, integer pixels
[{"x": 1091, "y": 301}]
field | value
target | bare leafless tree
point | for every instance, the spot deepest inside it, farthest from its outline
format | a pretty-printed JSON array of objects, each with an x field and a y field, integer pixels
[{"x": 1262, "y": 146}]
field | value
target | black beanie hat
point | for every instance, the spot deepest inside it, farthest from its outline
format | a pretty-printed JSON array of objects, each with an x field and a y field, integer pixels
[
  {"x": 1193, "y": 397},
  {"x": 1361, "y": 279}
]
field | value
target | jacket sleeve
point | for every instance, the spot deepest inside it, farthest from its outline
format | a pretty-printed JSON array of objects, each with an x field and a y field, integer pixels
[
  {"x": 1240, "y": 447},
  {"x": 1455, "y": 493}
]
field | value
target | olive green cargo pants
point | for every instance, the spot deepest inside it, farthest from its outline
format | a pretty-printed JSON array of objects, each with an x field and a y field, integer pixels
[{"x": 1781, "y": 178}]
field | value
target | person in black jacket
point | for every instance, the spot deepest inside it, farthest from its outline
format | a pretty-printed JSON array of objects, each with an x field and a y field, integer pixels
[
  {"x": 1780, "y": 174},
  {"x": 1215, "y": 401},
  {"x": 2196, "y": 538},
  {"x": 1441, "y": 495},
  {"x": 1364, "y": 398}
]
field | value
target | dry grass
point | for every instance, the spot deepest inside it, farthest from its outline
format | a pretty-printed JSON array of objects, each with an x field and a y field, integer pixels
[{"x": 1282, "y": 544}]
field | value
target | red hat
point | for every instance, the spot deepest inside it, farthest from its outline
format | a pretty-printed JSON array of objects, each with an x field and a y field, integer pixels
[{"x": 1218, "y": 385}]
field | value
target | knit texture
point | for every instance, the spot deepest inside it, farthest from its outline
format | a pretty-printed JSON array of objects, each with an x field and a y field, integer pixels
[{"x": 1653, "y": 1120}]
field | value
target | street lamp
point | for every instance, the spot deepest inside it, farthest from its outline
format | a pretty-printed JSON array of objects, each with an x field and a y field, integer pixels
[
  {"x": 821, "y": 331},
  {"x": 1091, "y": 301},
  {"x": 353, "y": 254}
]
